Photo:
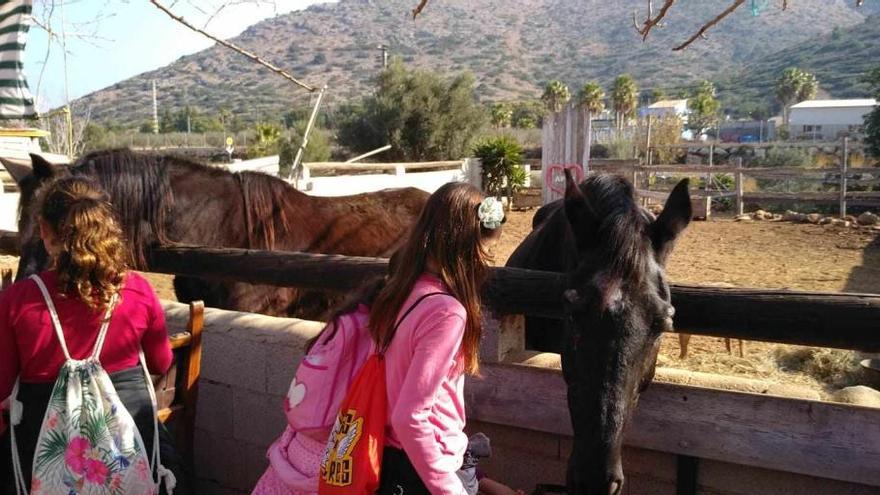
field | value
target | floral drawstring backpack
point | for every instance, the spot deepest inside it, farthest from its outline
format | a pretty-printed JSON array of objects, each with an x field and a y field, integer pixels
[{"x": 88, "y": 443}]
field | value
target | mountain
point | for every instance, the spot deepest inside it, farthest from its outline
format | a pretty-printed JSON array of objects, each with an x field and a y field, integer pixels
[
  {"x": 838, "y": 59},
  {"x": 512, "y": 46}
]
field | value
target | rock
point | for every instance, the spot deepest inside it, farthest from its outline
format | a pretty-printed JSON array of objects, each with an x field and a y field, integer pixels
[
  {"x": 839, "y": 222},
  {"x": 793, "y": 216},
  {"x": 743, "y": 218},
  {"x": 777, "y": 217},
  {"x": 814, "y": 218},
  {"x": 851, "y": 219},
  {"x": 868, "y": 218},
  {"x": 860, "y": 395},
  {"x": 826, "y": 221},
  {"x": 760, "y": 215}
]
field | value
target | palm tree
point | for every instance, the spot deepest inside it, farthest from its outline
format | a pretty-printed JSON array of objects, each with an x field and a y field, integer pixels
[
  {"x": 556, "y": 95},
  {"x": 501, "y": 115},
  {"x": 592, "y": 100},
  {"x": 795, "y": 86},
  {"x": 809, "y": 87},
  {"x": 624, "y": 97}
]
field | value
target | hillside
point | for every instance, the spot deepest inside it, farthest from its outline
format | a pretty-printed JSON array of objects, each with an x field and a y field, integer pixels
[
  {"x": 838, "y": 59},
  {"x": 512, "y": 47}
]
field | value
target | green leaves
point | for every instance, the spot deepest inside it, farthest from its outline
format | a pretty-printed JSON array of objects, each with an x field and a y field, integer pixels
[
  {"x": 704, "y": 108},
  {"x": 556, "y": 95},
  {"x": 592, "y": 97},
  {"x": 421, "y": 115},
  {"x": 501, "y": 159},
  {"x": 624, "y": 97}
]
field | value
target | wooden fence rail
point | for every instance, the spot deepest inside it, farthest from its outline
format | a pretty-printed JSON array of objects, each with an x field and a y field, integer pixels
[
  {"x": 843, "y": 176},
  {"x": 847, "y": 321}
]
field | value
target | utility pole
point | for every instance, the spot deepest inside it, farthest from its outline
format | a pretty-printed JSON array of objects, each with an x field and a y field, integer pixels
[
  {"x": 155, "y": 110},
  {"x": 384, "y": 49}
]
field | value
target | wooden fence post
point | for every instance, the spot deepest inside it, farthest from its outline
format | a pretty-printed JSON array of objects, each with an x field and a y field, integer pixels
[
  {"x": 843, "y": 168},
  {"x": 503, "y": 336},
  {"x": 738, "y": 176}
]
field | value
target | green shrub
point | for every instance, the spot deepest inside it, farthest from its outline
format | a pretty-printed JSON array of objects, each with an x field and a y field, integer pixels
[
  {"x": 501, "y": 159},
  {"x": 784, "y": 157}
]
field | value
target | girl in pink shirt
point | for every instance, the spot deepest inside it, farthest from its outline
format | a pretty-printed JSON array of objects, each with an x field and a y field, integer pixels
[
  {"x": 436, "y": 343},
  {"x": 89, "y": 265}
]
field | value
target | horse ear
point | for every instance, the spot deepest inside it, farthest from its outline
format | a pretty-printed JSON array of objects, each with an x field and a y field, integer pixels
[
  {"x": 42, "y": 168},
  {"x": 676, "y": 216},
  {"x": 17, "y": 169}
]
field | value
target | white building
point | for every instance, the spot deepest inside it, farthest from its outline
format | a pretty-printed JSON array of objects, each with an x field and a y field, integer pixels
[
  {"x": 664, "y": 108},
  {"x": 828, "y": 119}
]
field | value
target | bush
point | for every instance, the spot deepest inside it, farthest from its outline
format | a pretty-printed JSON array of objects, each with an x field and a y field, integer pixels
[
  {"x": 419, "y": 114},
  {"x": 784, "y": 157},
  {"x": 501, "y": 159}
]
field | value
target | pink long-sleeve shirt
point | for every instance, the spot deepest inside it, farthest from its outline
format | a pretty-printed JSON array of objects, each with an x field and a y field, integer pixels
[{"x": 426, "y": 415}]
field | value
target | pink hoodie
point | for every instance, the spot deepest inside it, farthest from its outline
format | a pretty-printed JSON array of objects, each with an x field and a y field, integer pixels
[{"x": 426, "y": 388}]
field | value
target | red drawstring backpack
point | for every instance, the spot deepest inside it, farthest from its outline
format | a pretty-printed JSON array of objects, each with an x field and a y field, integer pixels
[{"x": 352, "y": 461}]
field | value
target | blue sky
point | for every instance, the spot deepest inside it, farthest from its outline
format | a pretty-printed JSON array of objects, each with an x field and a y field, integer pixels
[{"x": 127, "y": 37}]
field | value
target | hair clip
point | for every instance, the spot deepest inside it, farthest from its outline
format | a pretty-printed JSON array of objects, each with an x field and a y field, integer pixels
[{"x": 491, "y": 213}]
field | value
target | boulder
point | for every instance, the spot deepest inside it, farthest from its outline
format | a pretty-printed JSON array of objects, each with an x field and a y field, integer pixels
[
  {"x": 839, "y": 222},
  {"x": 814, "y": 218},
  {"x": 776, "y": 217},
  {"x": 868, "y": 218},
  {"x": 761, "y": 215},
  {"x": 826, "y": 221},
  {"x": 859, "y": 395},
  {"x": 793, "y": 216},
  {"x": 851, "y": 219},
  {"x": 743, "y": 218}
]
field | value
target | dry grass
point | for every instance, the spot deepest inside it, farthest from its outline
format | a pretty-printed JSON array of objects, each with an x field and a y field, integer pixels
[{"x": 833, "y": 368}]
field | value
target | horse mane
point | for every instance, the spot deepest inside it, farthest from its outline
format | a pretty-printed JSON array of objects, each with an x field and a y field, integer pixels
[
  {"x": 266, "y": 198},
  {"x": 143, "y": 180},
  {"x": 620, "y": 242}
]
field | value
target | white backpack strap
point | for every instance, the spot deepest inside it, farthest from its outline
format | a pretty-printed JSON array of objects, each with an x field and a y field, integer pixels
[
  {"x": 56, "y": 323},
  {"x": 102, "y": 334},
  {"x": 155, "y": 458},
  {"x": 14, "y": 419}
]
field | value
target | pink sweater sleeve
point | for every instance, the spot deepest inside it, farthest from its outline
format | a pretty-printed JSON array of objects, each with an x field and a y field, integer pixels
[{"x": 436, "y": 346}]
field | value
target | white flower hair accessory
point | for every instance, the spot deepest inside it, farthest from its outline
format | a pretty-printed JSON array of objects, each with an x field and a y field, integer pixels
[{"x": 491, "y": 213}]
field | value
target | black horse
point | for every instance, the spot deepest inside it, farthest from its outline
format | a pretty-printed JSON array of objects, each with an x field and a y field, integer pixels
[
  {"x": 166, "y": 200},
  {"x": 617, "y": 304}
]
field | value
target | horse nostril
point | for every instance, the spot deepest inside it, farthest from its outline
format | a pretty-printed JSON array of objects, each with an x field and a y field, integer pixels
[{"x": 615, "y": 487}]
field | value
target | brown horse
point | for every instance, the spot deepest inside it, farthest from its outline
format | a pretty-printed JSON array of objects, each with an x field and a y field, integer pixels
[
  {"x": 164, "y": 199},
  {"x": 617, "y": 304}
]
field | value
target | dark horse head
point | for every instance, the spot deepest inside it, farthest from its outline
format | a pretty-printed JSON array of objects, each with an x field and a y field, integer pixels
[{"x": 617, "y": 304}]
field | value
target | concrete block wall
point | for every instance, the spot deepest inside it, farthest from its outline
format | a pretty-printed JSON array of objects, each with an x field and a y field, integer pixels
[{"x": 247, "y": 363}]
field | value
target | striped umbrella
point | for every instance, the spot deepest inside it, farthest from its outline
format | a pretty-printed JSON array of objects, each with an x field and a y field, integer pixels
[{"x": 16, "y": 101}]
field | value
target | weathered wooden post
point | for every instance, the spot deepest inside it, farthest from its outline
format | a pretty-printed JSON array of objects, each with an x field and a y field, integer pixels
[
  {"x": 738, "y": 177},
  {"x": 843, "y": 168}
]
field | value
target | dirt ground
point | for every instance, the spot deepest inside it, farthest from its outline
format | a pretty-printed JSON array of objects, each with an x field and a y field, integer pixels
[{"x": 757, "y": 254}]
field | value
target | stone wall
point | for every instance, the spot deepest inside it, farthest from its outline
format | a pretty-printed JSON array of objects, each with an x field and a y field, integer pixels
[{"x": 247, "y": 363}]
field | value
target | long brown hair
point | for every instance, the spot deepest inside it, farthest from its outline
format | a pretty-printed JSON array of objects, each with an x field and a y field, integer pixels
[
  {"x": 450, "y": 234},
  {"x": 92, "y": 261}
]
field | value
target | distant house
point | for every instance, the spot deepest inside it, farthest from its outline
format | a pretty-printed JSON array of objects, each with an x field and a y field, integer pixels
[
  {"x": 664, "y": 108},
  {"x": 828, "y": 119}
]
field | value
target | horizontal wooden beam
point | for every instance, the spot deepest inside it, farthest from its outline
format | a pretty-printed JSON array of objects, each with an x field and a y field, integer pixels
[
  {"x": 828, "y": 320},
  {"x": 360, "y": 167},
  {"x": 820, "y": 439}
]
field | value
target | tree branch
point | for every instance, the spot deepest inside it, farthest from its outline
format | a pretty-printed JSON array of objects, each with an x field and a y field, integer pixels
[
  {"x": 701, "y": 33},
  {"x": 235, "y": 48},
  {"x": 652, "y": 21},
  {"x": 418, "y": 10}
]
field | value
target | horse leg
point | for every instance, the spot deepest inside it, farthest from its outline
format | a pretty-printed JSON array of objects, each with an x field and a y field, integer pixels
[
  {"x": 683, "y": 341},
  {"x": 741, "y": 348},
  {"x": 727, "y": 345}
]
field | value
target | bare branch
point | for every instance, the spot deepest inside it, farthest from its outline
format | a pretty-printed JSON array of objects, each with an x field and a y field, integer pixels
[
  {"x": 235, "y": 48},
  {"x": 701, "y": 33},
  {"x": 652, "y": 21},
  {"x": 418, "y": 10}
]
